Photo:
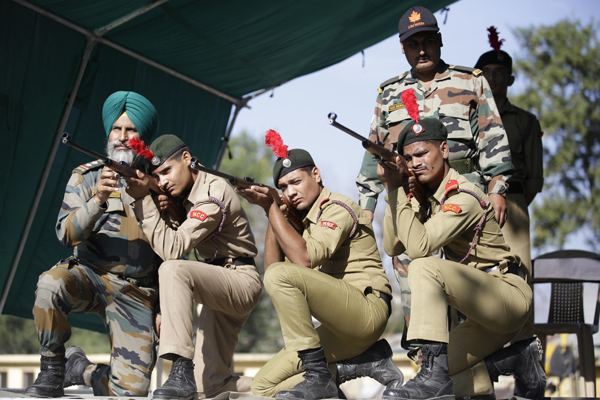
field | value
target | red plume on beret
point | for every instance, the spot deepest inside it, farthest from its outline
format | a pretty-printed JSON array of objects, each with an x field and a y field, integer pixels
[
  {"x": 140, "y": 148},
  {"x": 493, "y": 38},
  {"x": 410, "y": 102},
  {"x": 273, "y": 140}
]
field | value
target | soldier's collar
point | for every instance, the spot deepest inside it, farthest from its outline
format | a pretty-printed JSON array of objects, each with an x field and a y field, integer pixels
[
  {"x": 452, "y": 175},
  {"x": 196, "y": 190},
  {"x": 314, "y": 209},
  {"x": 509, "y": 107}
]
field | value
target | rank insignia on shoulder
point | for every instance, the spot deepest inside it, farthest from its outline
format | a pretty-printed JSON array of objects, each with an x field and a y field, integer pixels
[
  {"x": 83, "y": 168},
  {"x": 451, "y": 185},
  {"x": 477, "y": 72},
  {"x": 397, "y": 106},
  {"x": 328, "y": 224},
  {"x": 451, "y": 207},
  {"x": 198, "y": 215}
]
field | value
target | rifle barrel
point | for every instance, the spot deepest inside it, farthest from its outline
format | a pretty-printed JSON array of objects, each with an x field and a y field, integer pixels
[{"x": 66, "y": 139}]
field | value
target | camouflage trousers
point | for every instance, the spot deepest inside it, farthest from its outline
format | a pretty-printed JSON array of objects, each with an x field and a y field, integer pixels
[{"x": 127, "y": 312}]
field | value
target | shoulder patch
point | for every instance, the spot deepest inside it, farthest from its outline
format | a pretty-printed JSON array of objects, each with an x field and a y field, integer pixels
[
  {"x": 477, "y": 72},
  {"x": 397, "y": 106},
  {"x": 451, "y": 185},
  {"x": 84, "y": 168},
  {"x": 328, "y": 224},
  {"x": 198, "y": 215},
  {"x": 468, "y": 70},
  {"x": 455, "y": 208},
  {"x": 390, "y": 81}
]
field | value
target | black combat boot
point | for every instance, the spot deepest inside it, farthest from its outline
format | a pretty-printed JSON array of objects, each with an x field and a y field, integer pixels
[
  {"x": 318, "y": 382},
  {"x": 49, "y": 382},
  {"x": 77, "y": 362},
  {"x": 181, "y": 383},
  {"x": 521, "y": 359},
  {"x": 433, "y": 379},
  {"x": 376, "y": 362}
]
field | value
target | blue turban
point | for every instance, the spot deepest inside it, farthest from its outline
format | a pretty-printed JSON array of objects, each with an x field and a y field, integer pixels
[{"x": 139, "y": 110}]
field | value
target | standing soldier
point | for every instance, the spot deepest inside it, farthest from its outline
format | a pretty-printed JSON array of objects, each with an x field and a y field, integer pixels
[
  {"x": 458, "y": 96},
  {"x": 480, "y": 277},
  {"x": 112, "y": 272},
  {"x": 332, "y": 271},
  {"x": 226, "y": 283},
  {"x": 525, "y": 140}
]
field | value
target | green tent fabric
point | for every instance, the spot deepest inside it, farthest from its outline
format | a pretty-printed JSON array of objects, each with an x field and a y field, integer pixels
[{"x": 236, "y": 47}]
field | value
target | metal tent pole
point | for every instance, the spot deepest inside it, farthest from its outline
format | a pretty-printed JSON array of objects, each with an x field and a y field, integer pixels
[
  {"x": 38, "y": 195},
  {"x": 92, "y": 39}
]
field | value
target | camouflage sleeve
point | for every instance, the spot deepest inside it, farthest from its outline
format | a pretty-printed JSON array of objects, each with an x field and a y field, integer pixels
[
  {"x": 79, "y": 212},
  {"x": 534, "y": 157},
  {"x": 492, "y": 141},
  {"x": 367, "y": 182}
]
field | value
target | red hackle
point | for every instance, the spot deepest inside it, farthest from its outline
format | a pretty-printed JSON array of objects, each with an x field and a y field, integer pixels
[
  {"x": 410, "y": 102},
  {"x": 273, "y": 140},
  {"x": 140, "y": 148},
  {"x": 493, "y": 38}
]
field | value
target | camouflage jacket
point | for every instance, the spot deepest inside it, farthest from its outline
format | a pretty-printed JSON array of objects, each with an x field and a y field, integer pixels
[
  {"x": 106, "y": 238},
  {"x": 461, "y": 98}
]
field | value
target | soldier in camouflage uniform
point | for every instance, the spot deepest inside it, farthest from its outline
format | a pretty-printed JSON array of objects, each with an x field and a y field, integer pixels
[
  {"x": 112, "y": 272},
  {"x": 461, "y": 98}
]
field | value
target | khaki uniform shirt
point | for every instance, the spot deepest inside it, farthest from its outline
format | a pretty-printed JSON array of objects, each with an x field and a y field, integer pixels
[
  {"x": 203, "y": 219},
  {"x": 525, "y": 140},
  {"x": 106, "y": 238},
  {"x": 355, "y": 259},
  {"x": 461, "y": 98},
  {"x": 450, "y": 228}
]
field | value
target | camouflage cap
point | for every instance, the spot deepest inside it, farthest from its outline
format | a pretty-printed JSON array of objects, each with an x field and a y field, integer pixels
[
  {"x": 164, "y": 147},
  {"x": 425, "y": 129},
  {"x": 297, "y": 158},
  {"x": 495, "y": 57},
  {"x": 417, "y": 19}
]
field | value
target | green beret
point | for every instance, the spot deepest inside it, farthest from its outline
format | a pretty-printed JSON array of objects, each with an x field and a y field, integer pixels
[
  {"x": 163, "y": 148},
  {"x": 426, "y": 129},
  {"x": 138, "y": 108},
  {"x": 297, "y": 158}
]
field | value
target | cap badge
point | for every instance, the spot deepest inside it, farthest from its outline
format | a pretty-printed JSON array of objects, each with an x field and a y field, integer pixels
[
  {"x": 287, "y": 163},
  {"x": 414, "y": 17},
  {"x": 417, "y": 129},
  {"x": 155, "y": 160}
]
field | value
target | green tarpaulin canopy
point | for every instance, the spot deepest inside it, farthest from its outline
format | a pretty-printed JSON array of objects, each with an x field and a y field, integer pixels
[{"x": 194, "y": 60}]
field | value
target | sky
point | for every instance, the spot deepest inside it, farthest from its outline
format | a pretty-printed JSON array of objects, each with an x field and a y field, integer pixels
[{"x": 298, "y": 110}]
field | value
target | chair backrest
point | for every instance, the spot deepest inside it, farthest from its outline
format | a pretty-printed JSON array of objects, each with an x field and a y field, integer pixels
[{"x": 566, "y": 270}]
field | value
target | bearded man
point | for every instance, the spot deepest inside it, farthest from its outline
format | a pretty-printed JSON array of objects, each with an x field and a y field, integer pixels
[{"x": 112, "y": 272}]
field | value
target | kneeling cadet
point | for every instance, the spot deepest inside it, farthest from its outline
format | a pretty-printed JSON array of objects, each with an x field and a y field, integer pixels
[
  {"x": 479, "y": 276},
  {"x": 330, "y": 271}
]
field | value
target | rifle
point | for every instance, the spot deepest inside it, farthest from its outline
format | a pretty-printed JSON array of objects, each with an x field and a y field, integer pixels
[
  {"x": 379, "y": 151},
  {"x": 125, "y": 170},
  {"x": 293, "y": 215}
]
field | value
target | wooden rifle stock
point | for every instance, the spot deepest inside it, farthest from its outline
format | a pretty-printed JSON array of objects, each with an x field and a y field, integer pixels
[
  {"x": 379, "y": 151},
  {"x": 125, "y": 170},
  {"x": 293, "y": 216}
]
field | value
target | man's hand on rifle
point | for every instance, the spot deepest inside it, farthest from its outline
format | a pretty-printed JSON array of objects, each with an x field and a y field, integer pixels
[
  {"x": 107, "y": 184},
  {"x": 161, "y": 200},
  {"x": 259, "y": 195},
  {"x": 139, "y": 187},
  {"x": 393, "y": 174}
]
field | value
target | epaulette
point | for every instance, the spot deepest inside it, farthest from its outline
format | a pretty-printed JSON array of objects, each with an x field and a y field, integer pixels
[
  {"x": 391, "y": 80},
  {"x": 450, "y": 185},
  {"x": 332, "y": 225},
  {"x": 84, "y": 168},
  {"x": 469, "y": 70}
]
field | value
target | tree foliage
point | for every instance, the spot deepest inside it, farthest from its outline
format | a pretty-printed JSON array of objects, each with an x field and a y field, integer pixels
[{"x": 562, "y": 71}]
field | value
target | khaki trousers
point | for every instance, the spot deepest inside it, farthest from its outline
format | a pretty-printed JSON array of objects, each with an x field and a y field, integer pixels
[
  {"x": 516, "y": 232},
  {"x": 228, "y": 294},
  {"x": 497, "y": 306},
  {"x": 351, "y": 322}
]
